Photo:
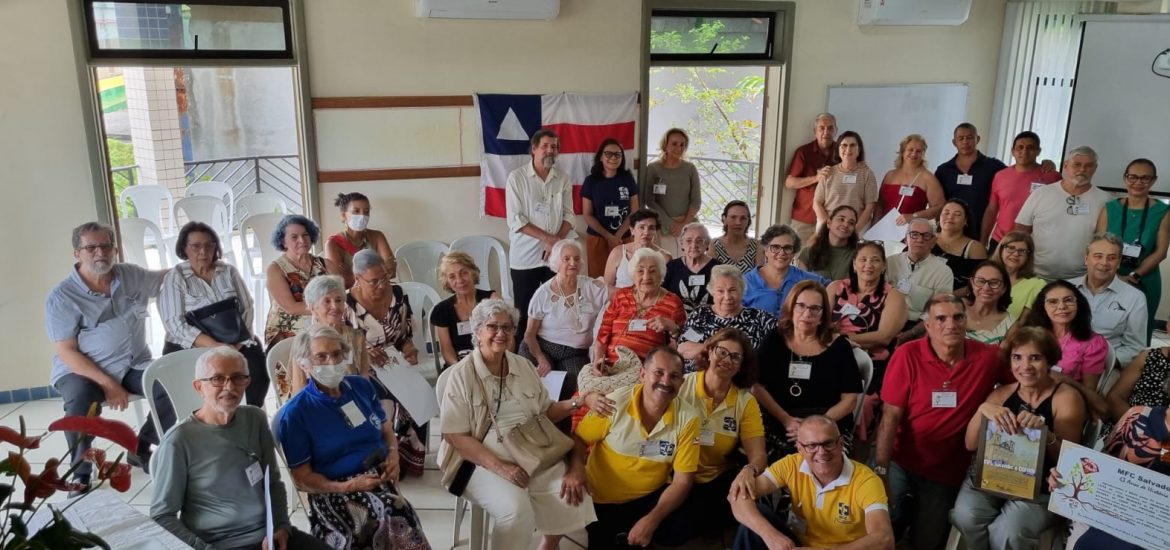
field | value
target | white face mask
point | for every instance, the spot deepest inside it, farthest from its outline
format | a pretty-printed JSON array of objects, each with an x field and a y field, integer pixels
[
  {"x": 330, "y": 376},
  {"x": 357, "y": 222}
]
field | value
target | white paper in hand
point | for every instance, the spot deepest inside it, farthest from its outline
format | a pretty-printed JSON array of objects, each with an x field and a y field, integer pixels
[
  {"x": 887, "y": 228},
  {"x": 268, "y": 509},
  {"x": 553, "y": 382},
  {"x": 411, "y": 390}
]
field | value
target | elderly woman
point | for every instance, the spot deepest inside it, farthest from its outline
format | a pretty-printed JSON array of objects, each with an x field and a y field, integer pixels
[
  {"x": 988, "y": 319},
  {"x": 1062, "y": 309},
  {"x": 1014, "y": 253},
  {"x": 609, "y": 195},
  {"x": 672, "y": 187},
  {"x": 561, "y": 316},
  {"x": 726, "y": 311},
  {"x": 810, "y": 371},
  {"x": 1140, "y": 221},
  {"x": 645, "y": 224},
  {"x": 641, "y": 317},
  {"x": 325, "y": 297},
  {"x": 1034, "y": 401},
  {"x": 767, "y": 287},
  {"x": 341, "y": 248},
  {"x": 687, "y": 275},
  {"x": 201, "y": 280},
  {"x": 954, "y": 242},
  {"x": 486, "y": 395},
  {"x": 910, "y": 188},
  {"x": 1145, "y": 382},
  {"x": 287, "y": 276},
  {"x": 848, "y": 182},
  {"x": 832, "y": 246},
  {"x": 735, "y": 247},
  {"x": 458, "y": 275}
]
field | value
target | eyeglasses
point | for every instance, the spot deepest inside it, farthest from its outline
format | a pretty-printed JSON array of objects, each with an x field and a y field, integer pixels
[
  {"x": 1067, "y": 300},
  {"x": 612, "y": 154},
  {"x": 200, "y": 247},
  {"x": 91, "y": 248},
  {"x": 505, "y": 329},
  {"x": 328, "y": 358},
  {"x": 1072, "y": 202},
  {"x": 781, "y": 249},
  {"x": 917, "y": 235},
  {"x": 993, "y": 284},
  {"x": 220, "y": 380},
  {"x": 1134, "y": 178},
  {"x": 376, "y": 283},
  {"x": 1010, "y": 250},
  {"x": 828, "y": 445},
  {"x": 815, "y": 310},
  {"x": 722, "y": 353}
]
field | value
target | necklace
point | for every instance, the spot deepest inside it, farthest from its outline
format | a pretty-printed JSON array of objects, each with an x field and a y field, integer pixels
[
  {"x": 640, "y": 307},
  {"x": 572, "y": 302}
]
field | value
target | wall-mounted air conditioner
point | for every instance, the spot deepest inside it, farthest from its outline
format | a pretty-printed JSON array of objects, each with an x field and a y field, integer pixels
[
  {"x": 913, "y": 12},
  {"x": 489, "y": 9}
]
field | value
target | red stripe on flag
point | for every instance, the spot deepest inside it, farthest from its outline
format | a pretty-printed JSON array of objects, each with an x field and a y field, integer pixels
[
  {"x": 585, "y": 138},
  {"x": 494, "y": 202}
]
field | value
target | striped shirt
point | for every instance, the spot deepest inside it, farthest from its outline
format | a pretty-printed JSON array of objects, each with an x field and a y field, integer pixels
[{"x": 183, "y": 291}]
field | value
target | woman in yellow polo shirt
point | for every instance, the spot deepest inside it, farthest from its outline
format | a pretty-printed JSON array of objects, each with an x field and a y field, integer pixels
[{"x": 720, "y": 393}]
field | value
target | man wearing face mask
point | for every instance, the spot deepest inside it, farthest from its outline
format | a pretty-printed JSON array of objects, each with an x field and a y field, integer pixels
[
  {"x": 96, "y": 319},
  {"x": 628, "y": 471},
  {"x": 539, "y": 205}
]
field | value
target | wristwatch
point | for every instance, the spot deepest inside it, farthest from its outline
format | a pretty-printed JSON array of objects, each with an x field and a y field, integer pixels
[
  {"x": 881, "y": 471},
  {"x": 574, "y": 404}
]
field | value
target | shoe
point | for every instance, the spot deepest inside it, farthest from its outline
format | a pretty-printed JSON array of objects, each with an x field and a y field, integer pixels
[
  {"x": 79, "y": 492},
  {"x": 140, "y": 459}
]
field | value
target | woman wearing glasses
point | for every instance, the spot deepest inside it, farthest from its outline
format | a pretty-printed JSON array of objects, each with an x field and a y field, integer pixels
[
  {"x": 1141, "y": 223},
  {"x": 1061, "y": 309},
  {"x": 810, "y": 371},
  {"x": 608, "y": 195},
  {"x": 988, "y": 319},
  {"x": 768, "y": 286},
  {"x": 1014, "y": 253}
]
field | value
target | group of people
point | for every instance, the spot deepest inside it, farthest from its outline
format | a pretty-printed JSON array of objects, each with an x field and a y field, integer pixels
[{"x": 702, "y": 375}]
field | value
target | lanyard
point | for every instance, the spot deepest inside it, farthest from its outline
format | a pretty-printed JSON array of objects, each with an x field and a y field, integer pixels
[{"x": 1125, "y": 218}]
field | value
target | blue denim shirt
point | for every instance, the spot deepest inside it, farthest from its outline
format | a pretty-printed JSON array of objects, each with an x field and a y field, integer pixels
[{"x": 759, "y": 295}]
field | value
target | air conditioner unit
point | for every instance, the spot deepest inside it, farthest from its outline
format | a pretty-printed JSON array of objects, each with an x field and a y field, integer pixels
[
  {"x": 489, "y": 9},
  {"x": 913, "y": 12}
]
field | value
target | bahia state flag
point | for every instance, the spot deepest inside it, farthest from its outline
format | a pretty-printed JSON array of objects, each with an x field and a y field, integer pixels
[{"x": 582, "y": 121}]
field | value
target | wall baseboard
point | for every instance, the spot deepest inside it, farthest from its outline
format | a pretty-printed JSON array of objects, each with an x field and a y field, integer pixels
[{"x": 28, "y": 394}]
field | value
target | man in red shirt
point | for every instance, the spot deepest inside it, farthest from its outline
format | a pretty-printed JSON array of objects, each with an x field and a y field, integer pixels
[
  {"x": 1011, "y": 187},
  {"x": 808, "y": 164},
  {"x": 932, "y": 388}
]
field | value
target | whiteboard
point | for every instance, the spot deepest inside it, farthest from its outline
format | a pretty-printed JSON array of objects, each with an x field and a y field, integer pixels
[
  {"x": 1121, "y": 98},
  {"x": 884, "y": 114}
]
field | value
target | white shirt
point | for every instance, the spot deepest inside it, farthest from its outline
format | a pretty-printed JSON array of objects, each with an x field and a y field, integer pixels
[
  {"x": 1120, "y": 315},
  {"x": 1061, "y": 228},
  {"x": 543, "y": 203},
  {"x": 570, "y": 326},
  {"x": 918, "y": 282},
  {"x": 183, "y": 291}
]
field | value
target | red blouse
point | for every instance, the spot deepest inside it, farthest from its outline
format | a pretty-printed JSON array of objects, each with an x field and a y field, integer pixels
[{"x": 615, "y": 324}]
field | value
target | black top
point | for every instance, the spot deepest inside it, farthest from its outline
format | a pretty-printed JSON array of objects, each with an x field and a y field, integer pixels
[
  {"x": 444, "y": 316},
  {"x": 962, "y": 268},
  {"x": 613, "y": 192},
  {"x": 976, "y": 195},
  {"x": 679, "y": 278},
  {"x": 1016, "y": 404},
  {"x": 834, "y": 372}
]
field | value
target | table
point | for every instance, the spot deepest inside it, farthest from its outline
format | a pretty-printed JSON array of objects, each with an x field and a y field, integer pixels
[{"x": 104, "y": 513}]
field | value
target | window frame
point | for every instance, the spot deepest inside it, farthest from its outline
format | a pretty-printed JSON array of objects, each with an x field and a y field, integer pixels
[{"x": 771, "y": 54}]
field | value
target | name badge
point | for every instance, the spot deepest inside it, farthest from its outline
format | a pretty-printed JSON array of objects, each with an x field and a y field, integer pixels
[
  {"x": 541, "y": 208},
  {"x": 692, "y": 335},
  {"x": 849, "y": 310},
  {"x": 1081, "y": 210},
  {"x": 696, "y": 280},
  {"x": 463, "y": 328},
  {"x": 254, "y": 473},
  {"x": 800, "y": 370},
  {"x": 353, "y": 414},
  {"x": 612, "y": 211},
  {"x": 944, "y": 399},
  {"x": 965, "y": 179},
  {"x": 707, "y": 438},
  {"x": 1036, "y": 185},
  {"x": 849, "y": 178},
  {"x": 637, "y": 325},
  {"x": 659, "y": 188},
  {"x": 906, "y": 190},
  {"x": 904, "y": 285},
  {"x": 656, "y": 448},
  {"x": 1131, "y": 250}
]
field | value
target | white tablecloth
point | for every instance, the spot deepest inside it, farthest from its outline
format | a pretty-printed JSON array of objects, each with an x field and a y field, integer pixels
[{"x": 103, "y": 513}]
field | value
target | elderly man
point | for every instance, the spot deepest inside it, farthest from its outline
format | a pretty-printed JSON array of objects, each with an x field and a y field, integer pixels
[
  {"x": 918, "y": 274},
  {"x": 835, "y": 500},
  {"x": 969, "y": 174},
  {"x": 1062, "y": 218},
  {"x": 644, "y": 458},
  {"x": 1119, "y": 309},
  {"x": 539, "y": 203},
  {"x": 932, "y": 388},
  {"x": 96, "y": 319},
  {"x": 808, "y": 164},
  {"x": 209, "y": 470},
  {"x": 1011, "y": 188}
]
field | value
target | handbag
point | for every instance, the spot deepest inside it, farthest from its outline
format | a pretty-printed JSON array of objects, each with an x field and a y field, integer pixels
[
  {"x": 221, "y": 320},
  {"x": 534, "y": 445}
]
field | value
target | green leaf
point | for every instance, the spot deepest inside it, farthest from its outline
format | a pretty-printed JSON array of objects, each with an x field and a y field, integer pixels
[{"x": 18, "y": 527}]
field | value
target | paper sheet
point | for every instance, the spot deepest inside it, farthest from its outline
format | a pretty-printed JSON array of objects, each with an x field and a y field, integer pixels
[
  {"x": 268, "y": 509},
  {"x": 554, "y": 381},
  {"x": 411, "y": 390},
  {"x": 887, "y": 228}
]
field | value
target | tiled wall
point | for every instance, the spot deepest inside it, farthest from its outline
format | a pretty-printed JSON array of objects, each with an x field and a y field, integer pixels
[{"x": 28, "y": 394}]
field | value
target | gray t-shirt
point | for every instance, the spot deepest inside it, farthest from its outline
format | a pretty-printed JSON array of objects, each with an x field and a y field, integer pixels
[
  {"x": 680, "y": 194},
  {"x": 205, "y": 473}
]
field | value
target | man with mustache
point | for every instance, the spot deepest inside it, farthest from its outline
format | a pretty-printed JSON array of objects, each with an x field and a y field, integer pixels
[
  {"x": 539, "y": 206},
  {"x": 932, "y": 388},
  {"x": 209, "y": 469},
  {"x": 96, "y": 319},
  {"x": 1062, "y": 218},
  {"x": 649, "y": 439}
]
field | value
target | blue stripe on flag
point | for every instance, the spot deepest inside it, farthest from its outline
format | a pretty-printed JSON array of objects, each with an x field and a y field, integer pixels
[{"x": 493, "y": 109}]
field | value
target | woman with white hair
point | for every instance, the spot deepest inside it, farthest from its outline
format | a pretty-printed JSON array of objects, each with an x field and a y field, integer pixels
[
  {"x": 641, "y": 317},
  {"x": 644, "y": 225},
  {"x": 726, "y": 311},
  {"x": 325, "y": 297},
  {"x": 561, "y": 317},
  {"x": 486, "y": 396},
  {"x": 343, "y": 452},
  {"x": 687, "y": 275}
]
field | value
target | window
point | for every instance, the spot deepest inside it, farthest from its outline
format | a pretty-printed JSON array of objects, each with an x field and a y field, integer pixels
[
  {"x": 211, "y": 29},
  {"x": 677, "y": 35}
]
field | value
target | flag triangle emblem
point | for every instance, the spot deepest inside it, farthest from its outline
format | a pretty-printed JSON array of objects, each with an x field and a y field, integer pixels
[{"x": 510, "y": 128}]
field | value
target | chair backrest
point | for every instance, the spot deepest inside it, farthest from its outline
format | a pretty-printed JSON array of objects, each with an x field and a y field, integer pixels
[
  {"x": 208, "y": 210},
  {"x": 258, "y": 203},
  {"x": 481, "y": 248},
  {"x": 441, "y": 384},
  {"x": 1103, "y": 385},
  {"x": 279, "y": 354},
  {"x": 136, "y": 232},
  {"x": 216, "y": 189},
  {"x": 174, "y": 371},
  {"x": 422, "y": 300},
  {"x": 865, "y": 365},
  {"x": 148, "y": 201},
  {"x": 260, "y": 227},
  {"x": 422, "y": 259}
]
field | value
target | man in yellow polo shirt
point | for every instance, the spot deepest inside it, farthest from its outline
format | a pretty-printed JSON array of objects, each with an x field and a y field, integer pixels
[
  {"x": 836, "y": 502},
  {"x": 650, "y": 436}
]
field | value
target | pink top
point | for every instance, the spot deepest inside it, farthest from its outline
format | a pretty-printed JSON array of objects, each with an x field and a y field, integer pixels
[
  {"x": 1009, "y": 189},
  {"x": 1080, "y": 358}
]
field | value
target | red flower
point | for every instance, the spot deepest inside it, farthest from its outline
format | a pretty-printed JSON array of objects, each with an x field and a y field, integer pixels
[
  {"x": 9, "y": 435},
  {"x": 96, "y": 426},
  {"x": 117, "y": 472},
  {"x": 1089, "y": 466}
]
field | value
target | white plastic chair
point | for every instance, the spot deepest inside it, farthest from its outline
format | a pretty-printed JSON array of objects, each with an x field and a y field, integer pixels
[
  {"x": 1111, "y": 367},
  {"x": 479, "y": 524},
  {"x": 422, "y": 260},
  {"x": 279, "y": 353},
  {"x": 481, "y": 248},
  {"x": 212, "y": 212},
  {"x": 174, "y": 371},
  {"x": 865, "y": 365},
  {"x": 148, "y": 201},
  {"x": 136, "y": 233},
  {"x": 216, "y": 189},
  {"x": 422, "y": 300},
  {"x": 258, "y": 203},
  {"x": 259, "y": 227}
]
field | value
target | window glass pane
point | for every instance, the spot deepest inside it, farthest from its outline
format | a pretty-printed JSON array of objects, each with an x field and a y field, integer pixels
[
  {"x": 696, "y": 34},
  {"x": 191, "y": 27}
]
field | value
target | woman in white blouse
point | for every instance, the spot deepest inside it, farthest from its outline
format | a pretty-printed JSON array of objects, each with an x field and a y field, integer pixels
[
  {"x": 561, "y": 317},
  {"x": 199, "y": 281}
]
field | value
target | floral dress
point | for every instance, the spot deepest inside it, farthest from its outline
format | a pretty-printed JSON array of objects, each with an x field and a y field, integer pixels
[{"x": 282, "y": 324}]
